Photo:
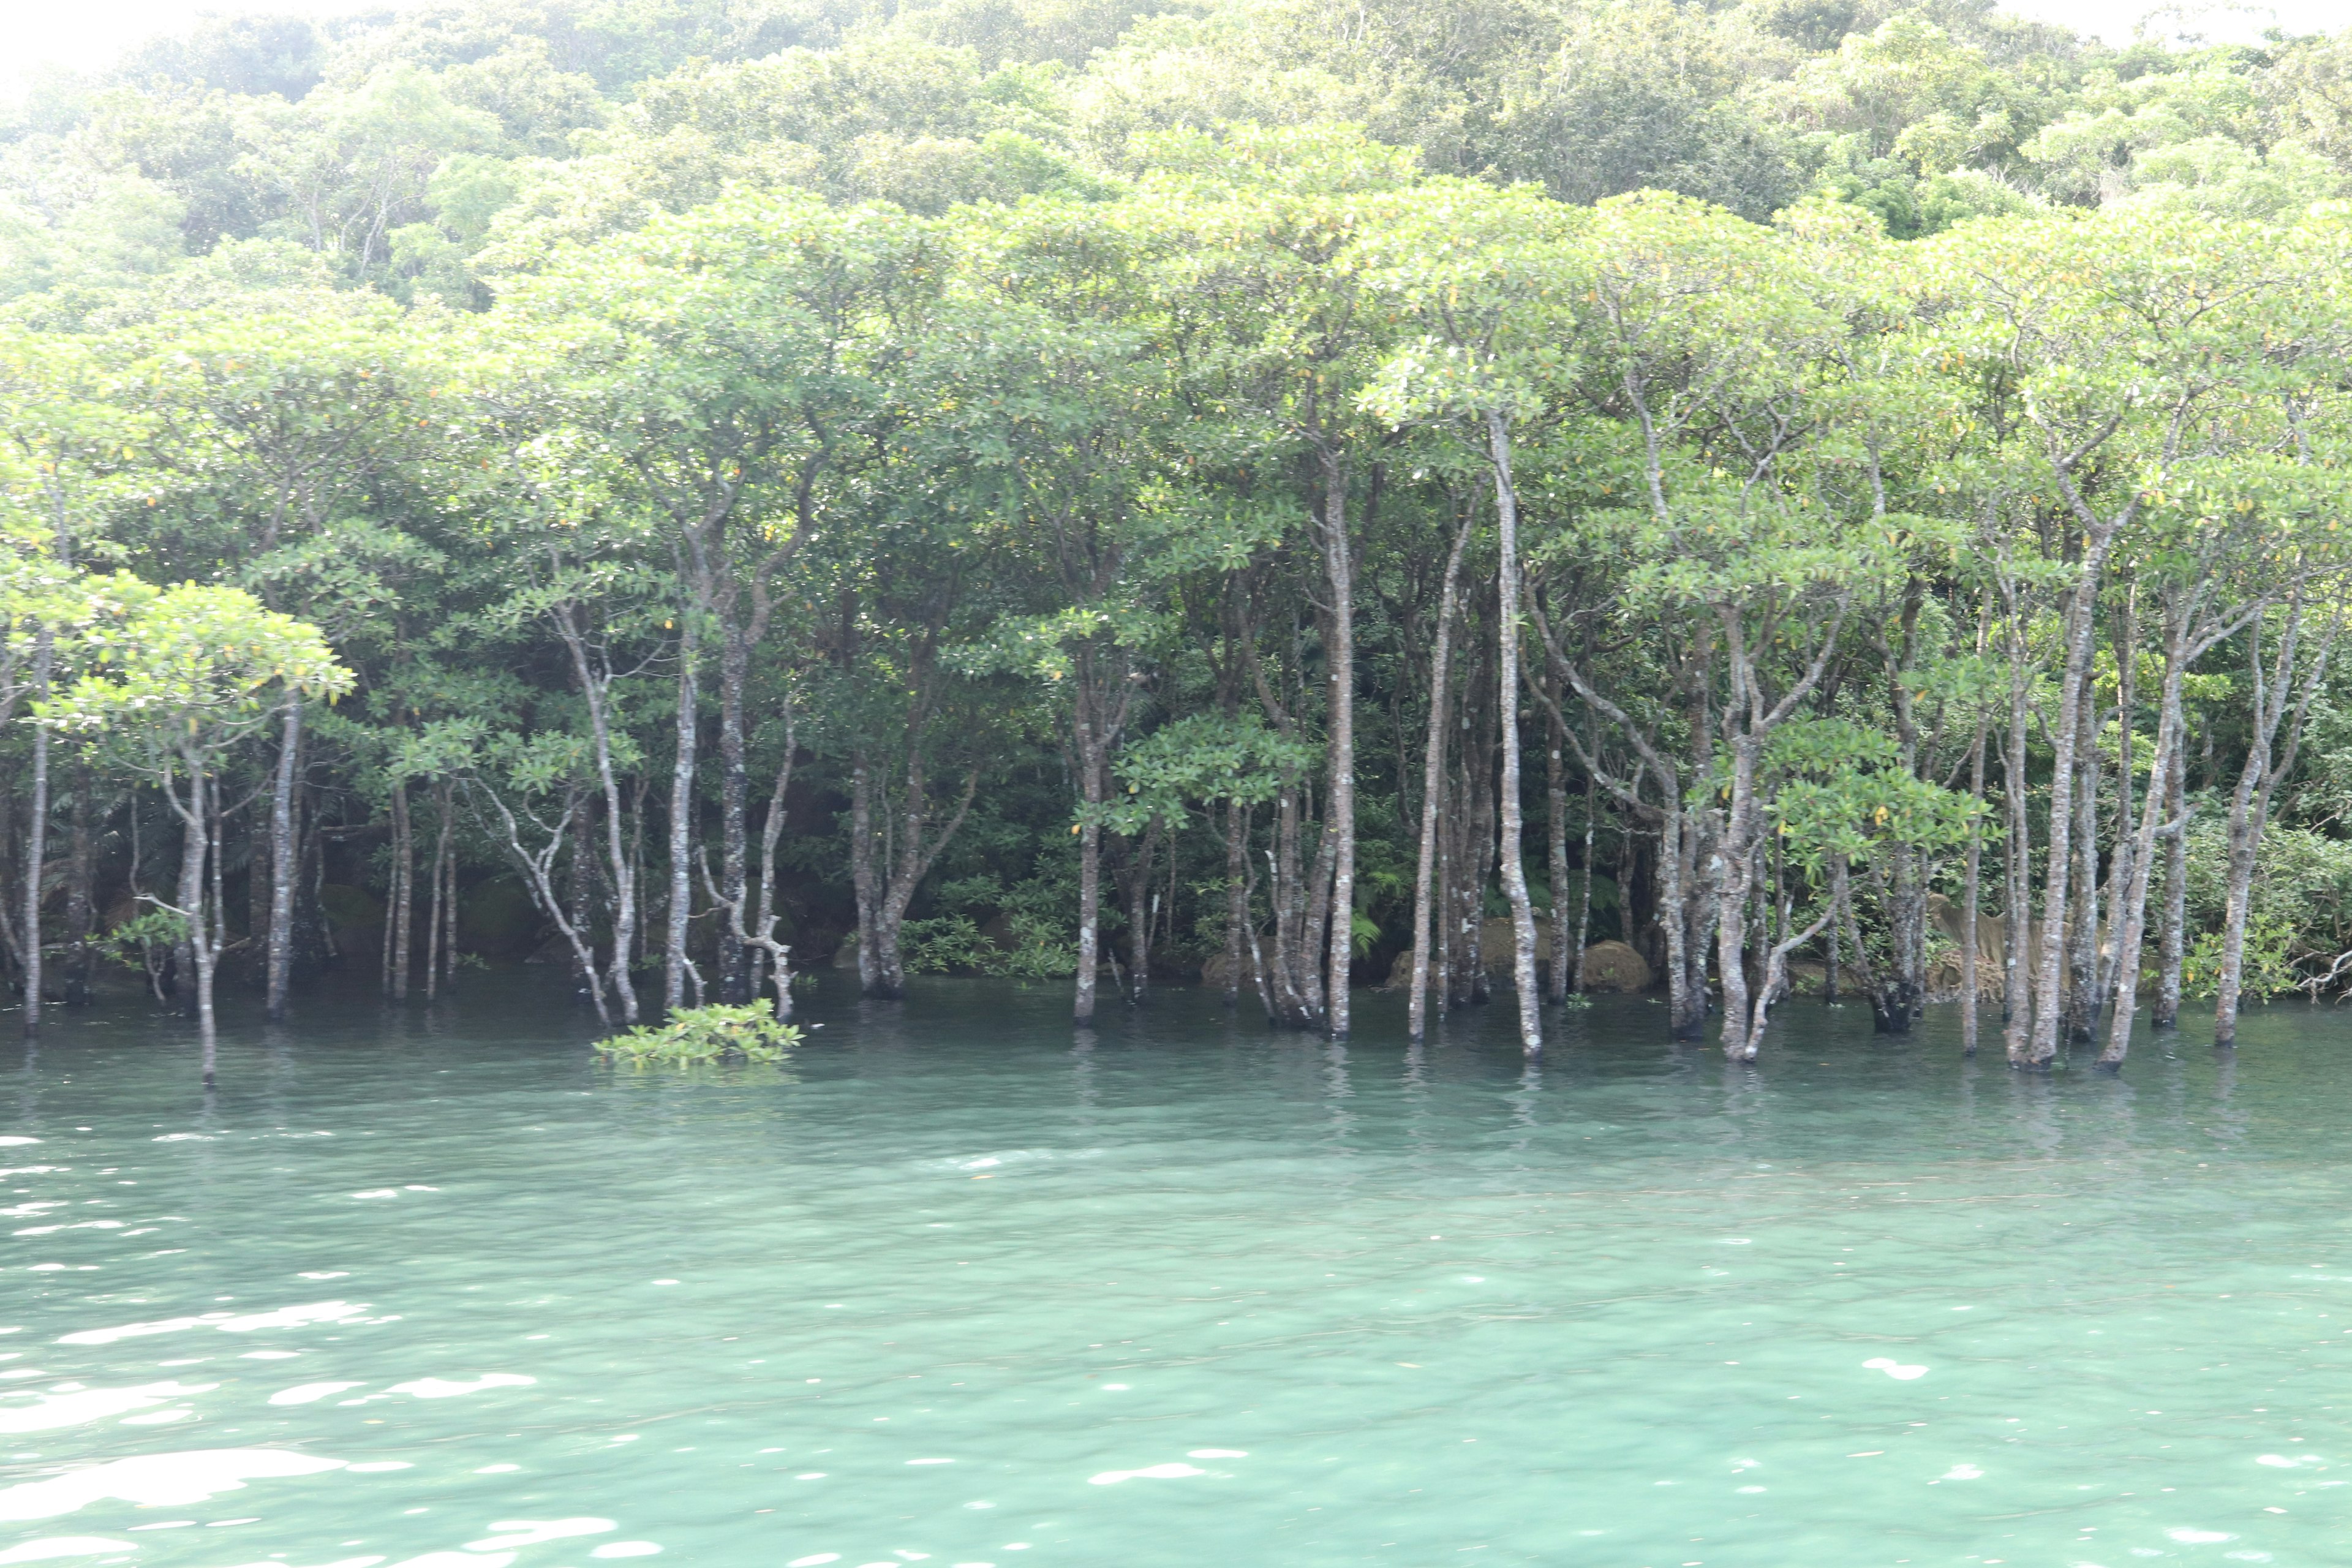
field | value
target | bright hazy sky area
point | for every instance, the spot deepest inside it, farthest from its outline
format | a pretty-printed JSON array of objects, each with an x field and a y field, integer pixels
[{"x": 89, "y": 33}]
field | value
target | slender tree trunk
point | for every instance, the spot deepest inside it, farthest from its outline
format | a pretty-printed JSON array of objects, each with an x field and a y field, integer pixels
[
  {"x": 778, "y": 955},
  {"x": 1733, "y": 884},
  {"x": 681, "y": 831},
  {"x": 404, "y": 874},
  {"x": 2173, "y": 946},
  {"x": 1089, "y": 877},
  {"x": 1426, "y": 890},
  {"x": 1971, "y": 893},
  {"x": 1686, "y": 1004},
  {"x": 1508, "y": 593},
  {"x": 1584, "y": 889},
  {"x": 81, "y": 889},
  {"x": 2239, "y": 889},
  {"x": 865, "y": 873},
  {"x": 440, "y": 925},
  {"x": 734, "y": 674},
  {"x": 1339, "y": 816},
  {"x": 2269, "y": 758},
  {"x": 284, "y": 865},
  {"x": 2016, "y": 1005},
  {"x": 2083, "y": 938},
  {"x": 36, "y": 838},
  {"x": 1237, "y": 909},
  {"x": 2129, "y": 915},
  {"x": 1138, "y": 915},
  {"x": 1556, "y": 856},
  {"x": 1830, "y": 981},
  {"x": 2082, "y": 637}
]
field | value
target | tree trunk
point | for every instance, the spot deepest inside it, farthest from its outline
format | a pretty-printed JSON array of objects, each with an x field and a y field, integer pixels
[
  {"x": 1138, "y": 914},
  {"x": 2173, "y": 946},
  {"x": 1340, "y": 816},
  {"x": 1089, "y": 878},
  {"x": 1432, "y": 787},
  {"x": 595, "y": 683},
  {"x": 1237, "y": 909},
  {"x": 866, "y": 882},
  {"x": 1508, "y": 593},
  {"x": 1584, "y": 889},
  {"x": 1972, "y": 893},
  {"x": 2083, "y": 937},
  {"x": 2016, "y": 1004},
  {"x": 81, "y": 890},
  {"x": 734, "y": 673},
  {"x": 1555, "y": 858},
  {"x": 2130, "y": 899},
  {"x": 404, "y": 876},
  {"x": 2286, "y": 703},
  {"x": 681, "y": 831},
  {"x": 778, "y": 955},
  {"x": 283, "y": 862},
  {"x": 36, "y": 839},
  {"x": 441, "y": 935},
  {"x": 2081, "y": 636}
]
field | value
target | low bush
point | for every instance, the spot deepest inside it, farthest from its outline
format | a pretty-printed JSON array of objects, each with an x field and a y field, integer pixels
[{"x": 750, "y": 1032}]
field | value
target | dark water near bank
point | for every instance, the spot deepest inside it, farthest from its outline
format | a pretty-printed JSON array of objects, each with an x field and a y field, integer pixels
[{"x": 958, "y": 1287}]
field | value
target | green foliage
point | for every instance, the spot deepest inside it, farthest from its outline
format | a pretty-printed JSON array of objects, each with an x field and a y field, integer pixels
[
  {"x": 2268, "y": 967},
  {"x": 948, "y": 945},
  {"x": 750, "y": 1033},
  {"x": 134, "y": 941}
]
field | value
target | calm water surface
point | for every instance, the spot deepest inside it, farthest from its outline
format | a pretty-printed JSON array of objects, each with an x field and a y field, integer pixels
[{"x": 958, "y": 1288}]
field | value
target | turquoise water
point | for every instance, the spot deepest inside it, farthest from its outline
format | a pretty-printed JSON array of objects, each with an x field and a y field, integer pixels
[{"x": 960, "y": 1289}]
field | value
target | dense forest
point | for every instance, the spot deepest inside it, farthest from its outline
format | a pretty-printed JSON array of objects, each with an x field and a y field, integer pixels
[{"x": 1531, "y": 496}]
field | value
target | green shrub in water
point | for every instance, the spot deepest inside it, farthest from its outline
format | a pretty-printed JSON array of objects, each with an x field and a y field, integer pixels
[{"x": 750, "y": 1032}]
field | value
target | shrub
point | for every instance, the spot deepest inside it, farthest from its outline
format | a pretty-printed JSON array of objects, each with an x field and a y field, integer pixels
[{"x": 750, "y": 1032}]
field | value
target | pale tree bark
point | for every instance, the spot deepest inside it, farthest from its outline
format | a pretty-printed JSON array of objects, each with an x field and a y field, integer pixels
[
  {"x": 1339, "y": 739},
  {"x": 1433, "y": 785},
  {"x": 893, "y": 845},
  {"x": 1748, "y": 723},
  {"x": 2185, "y": 642},
  {"x": 1775, "y": 981},
  {"x": 37, "y": 837},
  {"x": 2081, "y": 636},
  {"x": 283, "y": 861},
  {"x": 1292, "y": 976},
  {"x": 596, "y": 678},
  {"x": 1556, "y": 854},
  {"x": 2281, "y": 697},
  {"x": 566, "y": 909},
  {"x": 2016, "y": 999},
  {"x": 761, "y": 934},
  {"x": 681, "y": 828},
  {"x": 1238, "y": 899},
  {"x": 2081, "y": 996},
  {"x": 1509, "y": 595},
  {"x": 2172, "y": 944},
  {"x": 199, "y": 910},
  {"x": 1584, "y": 889},
  {"x": 1679, "y": 840},
  {"x": 1971, "y": 894}
]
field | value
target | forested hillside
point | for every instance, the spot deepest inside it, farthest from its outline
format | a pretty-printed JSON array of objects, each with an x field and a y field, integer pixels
[{"x": 1518, "y": 496}]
